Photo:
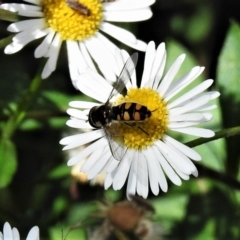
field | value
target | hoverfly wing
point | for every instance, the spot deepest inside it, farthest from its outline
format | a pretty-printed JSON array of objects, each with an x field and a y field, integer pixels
[
  {"x": 117, "y": 149},
  {"x": 125, "y": 75}
]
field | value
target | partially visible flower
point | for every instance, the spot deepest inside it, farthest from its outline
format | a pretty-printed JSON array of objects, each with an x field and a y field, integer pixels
[
  {"x": 13, "y": 234},
  {"x": 150, "y": 151},
  {"x": 79, "y": 176},
  {"x": 81, "y": 23},
  {"x": 124, "y": 219}
]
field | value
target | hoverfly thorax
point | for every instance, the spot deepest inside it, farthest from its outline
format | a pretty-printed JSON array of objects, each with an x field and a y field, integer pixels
[{"x": 99, "y": 116}]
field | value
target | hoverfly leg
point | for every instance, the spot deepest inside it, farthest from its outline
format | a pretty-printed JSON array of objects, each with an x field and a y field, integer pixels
[{"x": 134, "y": 125}]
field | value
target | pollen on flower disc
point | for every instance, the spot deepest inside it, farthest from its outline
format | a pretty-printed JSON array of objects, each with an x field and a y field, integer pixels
[
  {"x": 143, "y": 134},
  {"x": 71, "y": 24}
]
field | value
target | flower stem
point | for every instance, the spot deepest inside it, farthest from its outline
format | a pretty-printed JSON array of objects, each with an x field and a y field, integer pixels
[
  {"x": 21, "y": 110},
  {"x": 220, "y": 134}
]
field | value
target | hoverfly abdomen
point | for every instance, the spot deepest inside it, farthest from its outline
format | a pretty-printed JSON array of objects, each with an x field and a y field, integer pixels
[
  {"x": 130, "y": 111},
  {"x": 100, "y": 116}
]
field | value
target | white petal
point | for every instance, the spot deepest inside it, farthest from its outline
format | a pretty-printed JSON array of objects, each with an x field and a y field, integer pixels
[
  {"x": 27, "y": 13},
  {"x": 183, "y": 82},
  {"x": 83, "y": 104},
  {"x": 113, "y": 163},
  {"x": 7, "y": 231},
  {"x": 15, "y": 7},
  {"x": 108, "y": 44},
  {"x": 76, "y": 62},
  {"x": 25, "y": 24},
  {"x": 24, "y": 40},
  {"x": 36, "y": 2},
  {"x": 100, "y": 165},
  {"x": 168, "y": 78},
  {"x": 173, "y": 157},
  {"x": 142, "y": 176},
  {"x": 199, "y": 101},
  {"x": 130, "y": 5},
  {"x": 92, "y": 159},
  {"x": 167, "y": 168},
  {"x": 192, "y": 93},
  {"x": 176, "y": 123},
  {"x": 152, "y": 171},
  {"x": 132, "y": 178},
  {"x": 77, "y": 114},
  {"x": 30, "y": 32},
  {"x": 76, "y": 123},
  {"x": 123, "y": 36},
  {"x": 85, "y": 138},
  {"x": 148, "y": 63},
  {"x": 158, "y": 66},
  {"x": 182, "y": 175},
  {"x": 198, "y": 132},
  {"x": 101, "y": 89},
  {"x": 186, "y": 117},
  {"x": 209, "y": 94},
  {"x": 160, "y": 175},
  {"x": 16, "y": 235},
  {"x": 97, "y": 50},
  {"x": 128, "y": 15},
  {"x": 184, "y": 160},
  {"x": 43, "y": 48},
  {"x": 33, "y": 234},
  {"x": 182, "y": 148},
  {"x": 206, "y": 107},
  {"x": 118, "y": 32},
  {"x": 87, "y": 151},
  {"x": 109, "y": 179},
  {"x": 13, "y": 48},
  {"x": 122, "y": 57},
  {"x": 53, "y": 53},
  {"x": 86, "y": 56},
  {"x": 122, "y": 171}
]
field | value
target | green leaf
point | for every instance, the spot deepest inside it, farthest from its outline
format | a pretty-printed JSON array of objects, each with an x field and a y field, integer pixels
[
  {"x": 8, "y": 16},
  {"x": 62, "y": 100},
  {"x": 228, "y": 79},
  {"x": 8, "y": 162}
]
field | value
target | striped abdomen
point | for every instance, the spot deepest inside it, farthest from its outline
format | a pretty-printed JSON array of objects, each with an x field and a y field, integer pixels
[{"x": 130, "y": 111}]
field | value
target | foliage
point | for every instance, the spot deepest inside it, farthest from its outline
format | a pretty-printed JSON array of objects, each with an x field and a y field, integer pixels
[{"x": 35, "y": 183}]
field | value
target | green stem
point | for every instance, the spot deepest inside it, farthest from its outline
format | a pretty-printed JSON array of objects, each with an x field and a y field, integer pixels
[
  {"x": 220, "y": 134},
  {"x": 5, "y": 41},
  {"x": 21, "y": 110}
]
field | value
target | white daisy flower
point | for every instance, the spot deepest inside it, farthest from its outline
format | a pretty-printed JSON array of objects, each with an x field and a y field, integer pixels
[
  {"x": 83, "y": 25},
  {"x": 13, "y": 234},
  {"x": 151, "y": 153}
]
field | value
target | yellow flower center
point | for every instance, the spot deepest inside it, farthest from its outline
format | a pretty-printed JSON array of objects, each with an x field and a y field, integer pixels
[
  {"x": 142, "y": 134},
  {"x": 73, "y": 19}
]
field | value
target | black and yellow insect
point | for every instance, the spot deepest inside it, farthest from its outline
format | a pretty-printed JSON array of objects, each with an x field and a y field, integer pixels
[{"x": 104, "y": 116}]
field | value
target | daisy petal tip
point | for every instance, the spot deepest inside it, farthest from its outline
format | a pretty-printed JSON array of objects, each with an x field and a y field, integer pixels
[
  {"x": 210, "y": 134},
  {"x": 164, "y": 189},
  {"x": 162, "y": 45},
  {"x": 195, "y": 173},
  {"x": 182, "y": 57},
  {"x": 33, "y": 233},
  {"x": 129, "y": 196},
  {"x": 69, "y": 163}
]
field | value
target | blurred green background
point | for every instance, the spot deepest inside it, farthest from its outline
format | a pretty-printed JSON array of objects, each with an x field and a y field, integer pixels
[{"x": 35, "y": 184}]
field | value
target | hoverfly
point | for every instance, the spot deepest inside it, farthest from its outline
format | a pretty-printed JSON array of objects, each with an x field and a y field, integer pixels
[
  {"x": 79, "y": 7},
  {"x": 106, "y": 115}
]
